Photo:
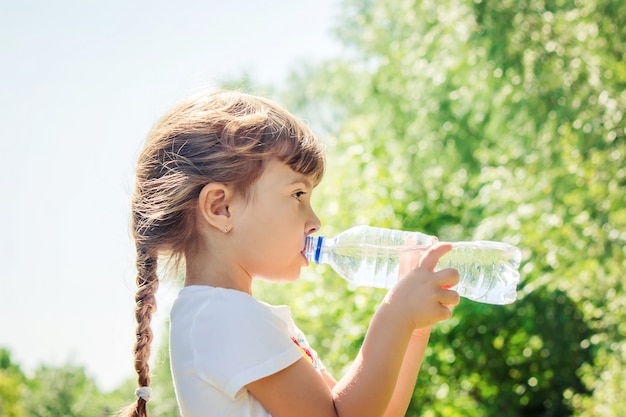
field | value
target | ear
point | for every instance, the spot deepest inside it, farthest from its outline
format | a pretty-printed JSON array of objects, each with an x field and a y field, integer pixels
[{"x": 213, "y": 204}]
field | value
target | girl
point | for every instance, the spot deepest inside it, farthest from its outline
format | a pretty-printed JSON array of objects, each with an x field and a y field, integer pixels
[{"x": 224, "y": 188}]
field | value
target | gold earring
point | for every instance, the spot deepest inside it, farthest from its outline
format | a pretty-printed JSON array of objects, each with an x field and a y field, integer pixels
[{"x": 226, "y": 229}]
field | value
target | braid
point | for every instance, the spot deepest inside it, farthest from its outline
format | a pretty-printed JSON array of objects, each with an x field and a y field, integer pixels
[{"x": 147, "y": 285}]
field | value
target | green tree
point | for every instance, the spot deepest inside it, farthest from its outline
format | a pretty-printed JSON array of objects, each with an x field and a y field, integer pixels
[
  {"x": 11, "y": 382},
  {"x": 62, "y": 391},
  {"x": 53, "y": 391},
  {"x": 484, "y": 120}
]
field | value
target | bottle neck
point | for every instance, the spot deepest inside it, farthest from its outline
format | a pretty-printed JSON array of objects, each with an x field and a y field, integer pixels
[{"x": 313, "y": 248}]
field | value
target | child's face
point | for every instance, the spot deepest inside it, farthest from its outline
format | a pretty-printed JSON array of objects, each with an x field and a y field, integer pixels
[{"x": 272, "y": 226}]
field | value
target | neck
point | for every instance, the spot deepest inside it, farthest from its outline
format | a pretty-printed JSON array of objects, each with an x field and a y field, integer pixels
[{"x": 207, "y": 265}]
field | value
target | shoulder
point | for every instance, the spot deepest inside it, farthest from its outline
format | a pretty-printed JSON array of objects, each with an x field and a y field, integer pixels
[
  {"x": 202, "y": 300},
  {"x": 203, "y": 310}
]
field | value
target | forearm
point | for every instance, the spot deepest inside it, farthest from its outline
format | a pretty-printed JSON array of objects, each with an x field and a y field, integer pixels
[
  {"x": 408, "y": 374},
  {"x": 369, "y": 385}
]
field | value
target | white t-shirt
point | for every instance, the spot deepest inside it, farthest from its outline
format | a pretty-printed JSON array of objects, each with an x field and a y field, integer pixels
[{"x": 220, "y": 341}]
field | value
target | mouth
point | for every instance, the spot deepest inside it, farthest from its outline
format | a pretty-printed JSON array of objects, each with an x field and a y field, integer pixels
[{"x": 303, "y": 253}]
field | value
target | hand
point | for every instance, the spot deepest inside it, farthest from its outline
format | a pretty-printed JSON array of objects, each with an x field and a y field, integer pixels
[{"x": 423, "y": 294}]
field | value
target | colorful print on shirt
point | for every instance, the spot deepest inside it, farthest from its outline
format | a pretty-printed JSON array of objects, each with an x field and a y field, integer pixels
[{"x": 306, "y": 351}]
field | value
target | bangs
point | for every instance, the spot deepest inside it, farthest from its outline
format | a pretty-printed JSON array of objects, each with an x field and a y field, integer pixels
[{"x": 302, "y": 152}]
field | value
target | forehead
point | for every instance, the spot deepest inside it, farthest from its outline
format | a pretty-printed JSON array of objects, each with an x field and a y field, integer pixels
[{"x": 277, "y": 173}]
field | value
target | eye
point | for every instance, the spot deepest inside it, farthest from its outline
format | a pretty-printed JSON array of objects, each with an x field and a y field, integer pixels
[{"x": 298, "y": 195}]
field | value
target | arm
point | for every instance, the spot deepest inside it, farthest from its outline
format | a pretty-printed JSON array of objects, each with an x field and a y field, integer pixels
[
  {"x": 417, "y": 301},
  {"x": 408, "y": 373},
  {"x": 409, "y": 370}
]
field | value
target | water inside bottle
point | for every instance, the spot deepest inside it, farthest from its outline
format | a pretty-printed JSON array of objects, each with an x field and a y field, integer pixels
[
  {"x": 373, "y": 266},
  {"x": 489, "y": 270},
  {"x": 367, "y": 265}
]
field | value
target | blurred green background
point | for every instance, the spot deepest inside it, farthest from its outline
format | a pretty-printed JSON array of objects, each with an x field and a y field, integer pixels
[{"x": 498, "y": 120}]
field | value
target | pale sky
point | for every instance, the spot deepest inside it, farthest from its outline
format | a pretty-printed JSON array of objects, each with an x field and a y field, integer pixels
[{"x": 81, "y": 83}]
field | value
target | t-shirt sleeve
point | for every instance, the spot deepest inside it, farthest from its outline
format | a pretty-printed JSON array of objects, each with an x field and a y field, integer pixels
[{"x": 238, "y": 343}]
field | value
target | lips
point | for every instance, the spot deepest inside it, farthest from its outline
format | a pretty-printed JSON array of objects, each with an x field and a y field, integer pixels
[
  {"x": 304, "y": 256},
  {"x": 303, "y": 253}
]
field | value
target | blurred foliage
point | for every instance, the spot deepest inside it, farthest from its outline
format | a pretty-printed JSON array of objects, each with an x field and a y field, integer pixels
[
  {"x": 51, "y": 392},
  {"x": 67, "y": 391},
  {"x": 61, "y": 391},
  {"x": 484, "y": 120},
  {"x": 11, "y": 380}
]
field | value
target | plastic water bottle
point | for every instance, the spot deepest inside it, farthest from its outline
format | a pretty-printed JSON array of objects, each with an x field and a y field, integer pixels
[{"x": 370, "y": 256}]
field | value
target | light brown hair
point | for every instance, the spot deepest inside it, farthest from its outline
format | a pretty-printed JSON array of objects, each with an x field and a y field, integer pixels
[{"x": 217, "y": 136}]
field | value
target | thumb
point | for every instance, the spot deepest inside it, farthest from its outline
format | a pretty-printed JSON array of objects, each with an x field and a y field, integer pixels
[{"x": 434, "y": 253}]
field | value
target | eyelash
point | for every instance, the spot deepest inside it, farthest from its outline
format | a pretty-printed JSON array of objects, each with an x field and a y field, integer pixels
[{"x": 298, "y": 194}]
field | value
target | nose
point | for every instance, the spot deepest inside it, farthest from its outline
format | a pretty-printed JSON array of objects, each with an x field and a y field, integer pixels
[{"x": 313, "y": 224}]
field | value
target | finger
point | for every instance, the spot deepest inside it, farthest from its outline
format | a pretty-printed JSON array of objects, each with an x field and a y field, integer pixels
[
  {"x": 447, "y": 278},
  {"x": 445, "y": 312},
  {"x": 431, "y": 257},
  {"x": 449, "y": 298}
]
